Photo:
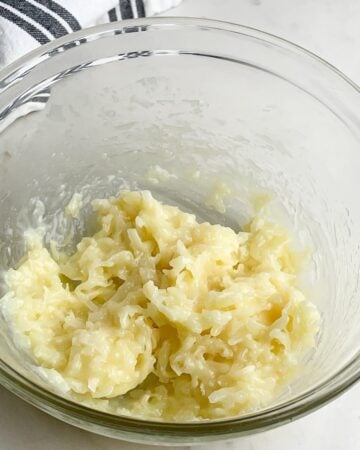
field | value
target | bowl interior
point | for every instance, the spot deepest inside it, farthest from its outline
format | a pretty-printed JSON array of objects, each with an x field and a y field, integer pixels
[{"x": 194, "y": 105}]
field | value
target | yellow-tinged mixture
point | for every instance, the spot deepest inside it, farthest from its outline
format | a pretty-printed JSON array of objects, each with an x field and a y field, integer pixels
[{"x": 159, "y": 316}]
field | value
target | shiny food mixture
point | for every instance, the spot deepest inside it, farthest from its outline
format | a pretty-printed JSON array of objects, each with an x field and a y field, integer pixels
[{"x": 159, "y": 316}]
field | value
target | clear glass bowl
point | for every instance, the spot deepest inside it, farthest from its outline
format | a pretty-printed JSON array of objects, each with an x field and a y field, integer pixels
[{"x": 236, "y": 104}]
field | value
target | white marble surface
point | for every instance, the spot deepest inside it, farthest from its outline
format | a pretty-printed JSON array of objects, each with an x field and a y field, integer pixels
[{"x": 331, "y": 29}]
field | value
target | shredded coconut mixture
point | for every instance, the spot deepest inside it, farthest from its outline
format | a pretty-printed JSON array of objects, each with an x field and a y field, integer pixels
[{"x": 159, "y": 316}]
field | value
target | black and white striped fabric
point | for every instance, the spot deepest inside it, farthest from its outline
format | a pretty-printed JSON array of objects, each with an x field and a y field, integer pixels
[{"x": 25, "y": 24}]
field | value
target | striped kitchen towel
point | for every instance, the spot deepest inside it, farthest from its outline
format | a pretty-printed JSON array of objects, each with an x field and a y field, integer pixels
[{"x": 25, "y": 24}]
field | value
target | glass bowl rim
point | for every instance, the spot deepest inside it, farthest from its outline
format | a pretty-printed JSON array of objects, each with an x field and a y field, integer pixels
[{"x": 263, "y": 419}]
